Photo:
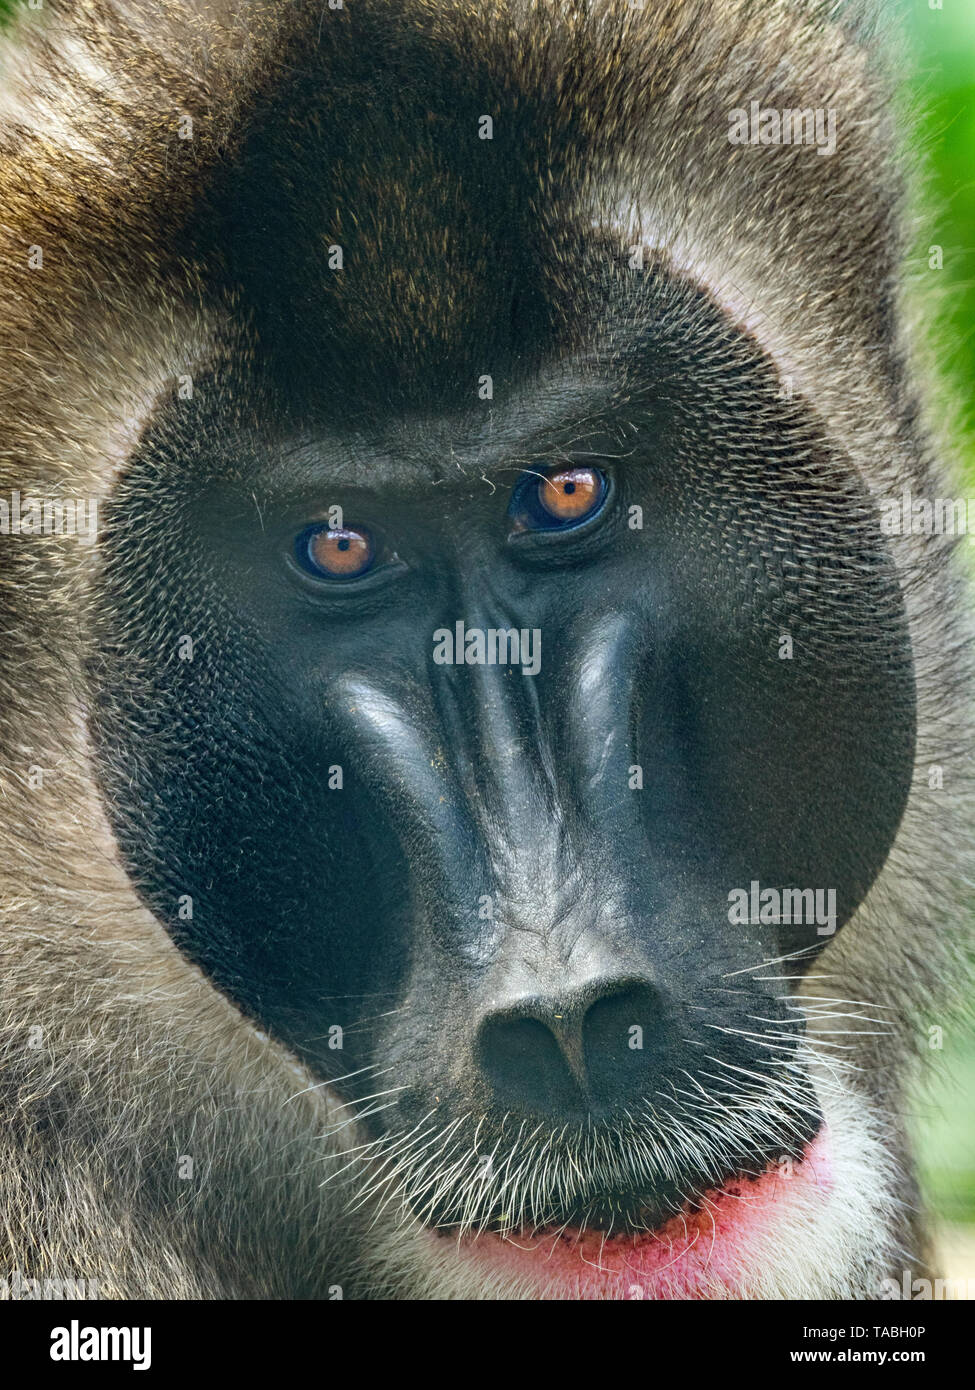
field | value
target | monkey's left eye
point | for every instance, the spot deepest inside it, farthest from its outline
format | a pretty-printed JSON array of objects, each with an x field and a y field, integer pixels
[
  {"x": 559, "y": 499},
  {"x": 335, "y": 552}
]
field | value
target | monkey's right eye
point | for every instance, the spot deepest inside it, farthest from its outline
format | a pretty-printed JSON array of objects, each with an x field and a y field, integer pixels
[
  {"x": 562, "y": 499},
  {"x": 335, "y": 552}
]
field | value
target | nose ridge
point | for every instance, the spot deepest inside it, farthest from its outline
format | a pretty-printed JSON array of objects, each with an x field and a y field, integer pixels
[{"x": 568, "y": 1053}]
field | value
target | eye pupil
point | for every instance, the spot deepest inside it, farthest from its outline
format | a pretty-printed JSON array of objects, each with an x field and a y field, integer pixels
[
  {"x": 569, "y": 489},
  {"x": 344, "y": 543}
]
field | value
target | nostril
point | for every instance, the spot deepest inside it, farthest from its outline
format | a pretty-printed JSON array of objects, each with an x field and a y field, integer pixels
[
  {"x": 623, "y": 1032},
  {"x": 523, "y": 1063},
  {"x": 595, "y": 1047}
]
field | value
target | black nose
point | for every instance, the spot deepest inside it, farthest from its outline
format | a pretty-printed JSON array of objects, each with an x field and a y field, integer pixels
[{"x": 592, "y": 1050}]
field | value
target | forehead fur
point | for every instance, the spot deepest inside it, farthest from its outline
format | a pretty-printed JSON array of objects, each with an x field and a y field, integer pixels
[
  {"x": 359, "y": 128},
  {"x": 463, "y": 255},
  {"x": 380, "y": 242}
]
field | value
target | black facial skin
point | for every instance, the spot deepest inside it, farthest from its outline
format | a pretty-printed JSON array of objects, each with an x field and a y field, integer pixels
[{"x": 488, "y": 906}]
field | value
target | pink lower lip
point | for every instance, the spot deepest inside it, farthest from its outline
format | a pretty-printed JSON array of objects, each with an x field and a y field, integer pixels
[{"x": 687, "y": 1258}]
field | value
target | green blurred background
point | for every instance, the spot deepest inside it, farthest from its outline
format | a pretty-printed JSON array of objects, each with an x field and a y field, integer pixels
[{"x": 940, "y": 76}]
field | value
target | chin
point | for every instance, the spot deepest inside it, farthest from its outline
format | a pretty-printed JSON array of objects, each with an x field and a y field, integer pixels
[{"x": 817, "y": 1226}]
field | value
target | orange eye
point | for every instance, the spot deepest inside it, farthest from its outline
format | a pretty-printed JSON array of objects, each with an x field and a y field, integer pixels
[
  {"x": 342, "y": 553},
  {"x": 569, "y": 494}
]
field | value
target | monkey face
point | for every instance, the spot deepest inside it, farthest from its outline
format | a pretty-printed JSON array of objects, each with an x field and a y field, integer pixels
[
  {"x": 505, "y": 686},
  {"x": 461, "y": 754}
]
